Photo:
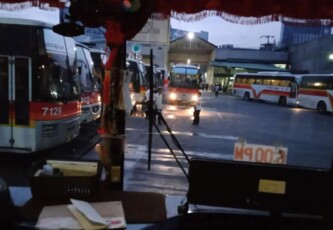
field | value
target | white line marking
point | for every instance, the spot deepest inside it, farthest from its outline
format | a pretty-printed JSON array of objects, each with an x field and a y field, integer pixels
[{"x": 220, "y": 115}]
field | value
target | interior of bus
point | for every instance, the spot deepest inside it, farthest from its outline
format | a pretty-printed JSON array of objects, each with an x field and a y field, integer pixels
[{"x": 221, "y": 193}]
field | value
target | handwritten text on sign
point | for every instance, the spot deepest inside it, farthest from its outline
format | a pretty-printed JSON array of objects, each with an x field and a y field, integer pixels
[{"x": 260, "y": 153}]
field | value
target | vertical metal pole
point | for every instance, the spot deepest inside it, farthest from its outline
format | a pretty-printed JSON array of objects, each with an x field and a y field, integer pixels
[
  {"x": 150, "y": 109},
  {"x": 116, "y": 142}
]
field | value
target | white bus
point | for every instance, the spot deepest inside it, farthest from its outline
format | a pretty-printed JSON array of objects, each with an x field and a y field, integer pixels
[
  {"x": 316, "y": 92},
  {"x": 39, "y": 99},
  {"x": 91, "y": 103},
  {"x": 274, "y": 87}
]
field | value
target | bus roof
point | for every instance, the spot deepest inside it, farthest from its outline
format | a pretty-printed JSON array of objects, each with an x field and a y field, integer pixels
[
  {"x": 316, "y": 75},
  {"x": 27, "y": 22},
  {"x": 94, "y": 50},
  {"x": 82, "y": 45}
]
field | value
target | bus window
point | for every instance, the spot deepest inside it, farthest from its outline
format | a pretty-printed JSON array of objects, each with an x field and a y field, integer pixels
[
  {"x": 83, "y": 65},
  {"x": 275, "y": 82},
  {"x": 330, "y": 84},
  {"x": 258, "y": 81},
  {"x": 267, "y": 81},
  {"x": 284, "y": 83},
  {"x": 53, "y": 81},
  {"x": 245, "y": 80},
  {"x": 251, "y": 81}
]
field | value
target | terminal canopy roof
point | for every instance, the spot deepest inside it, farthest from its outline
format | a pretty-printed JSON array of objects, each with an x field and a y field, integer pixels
[{"x": 253, "y": 66}]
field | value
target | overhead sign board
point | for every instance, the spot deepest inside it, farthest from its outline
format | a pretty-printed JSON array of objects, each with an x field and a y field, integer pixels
[{"x": 155, "y": 31}]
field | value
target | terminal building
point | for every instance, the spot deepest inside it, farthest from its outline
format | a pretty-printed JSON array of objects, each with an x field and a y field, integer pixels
[{"x": 298, "y": 51}]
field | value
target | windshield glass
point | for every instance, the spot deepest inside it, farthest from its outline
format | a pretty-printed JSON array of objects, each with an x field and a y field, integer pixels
[
  {"x": 54, "y": 79},
  {"x": 185, "y": 77},
  {"x": 51, "y": 67}
]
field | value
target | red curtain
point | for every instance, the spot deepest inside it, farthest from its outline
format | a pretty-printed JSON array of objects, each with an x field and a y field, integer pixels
[{"x": 231, "y": 10}]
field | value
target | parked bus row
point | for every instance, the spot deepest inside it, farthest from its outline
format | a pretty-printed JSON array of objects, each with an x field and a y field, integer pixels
[
  {"x": 312, "y": 91},
  {"x": 47, "y": 87}
]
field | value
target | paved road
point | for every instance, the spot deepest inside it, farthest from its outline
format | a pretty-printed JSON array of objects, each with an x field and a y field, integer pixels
[{"x": 223, "y": 121}]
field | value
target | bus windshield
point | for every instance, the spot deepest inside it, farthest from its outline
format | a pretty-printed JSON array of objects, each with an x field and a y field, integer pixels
[
  {"x": 54, "y": 80},
  {"x": 186, "y": 77},
  {"x": 51, "y": 60}
]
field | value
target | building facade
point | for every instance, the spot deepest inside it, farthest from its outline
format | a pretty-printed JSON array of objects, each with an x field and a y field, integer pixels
[{"x": 293, "y": 34}]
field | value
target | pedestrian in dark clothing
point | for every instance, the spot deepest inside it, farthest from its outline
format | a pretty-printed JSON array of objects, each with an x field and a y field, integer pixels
[
  {"x": 216, "y": 89},
  {"x": 197, "y": 110}
]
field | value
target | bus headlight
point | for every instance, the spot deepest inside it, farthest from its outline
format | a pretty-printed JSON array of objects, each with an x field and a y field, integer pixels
[
  {"x": 99, "y": 98},
  {"x": 173, "y": 96},
  {"x": 194, "y": 98}
]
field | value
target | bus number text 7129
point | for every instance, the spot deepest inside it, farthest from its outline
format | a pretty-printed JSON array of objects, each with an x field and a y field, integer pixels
[{"x": 51, "y": 111}]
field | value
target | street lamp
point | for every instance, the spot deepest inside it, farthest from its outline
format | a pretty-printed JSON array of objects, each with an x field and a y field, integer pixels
[
  {"x": 190, "y": 35},
  {"x": 330, "y": 57}
]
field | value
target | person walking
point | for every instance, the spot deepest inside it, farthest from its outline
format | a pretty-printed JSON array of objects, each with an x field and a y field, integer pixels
[
  {"x": 197, "y": 110},
  {"x": 216, "y": 89},
  {"x": 158, "y": 97},
  {"x": 147, "y": 97}
]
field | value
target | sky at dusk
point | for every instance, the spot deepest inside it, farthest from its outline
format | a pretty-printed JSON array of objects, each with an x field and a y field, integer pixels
[
  {"x": 49, "y": 16},
  {"x": 220, "y": 31}
]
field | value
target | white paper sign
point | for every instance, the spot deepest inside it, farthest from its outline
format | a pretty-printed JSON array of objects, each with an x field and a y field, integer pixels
[
  {"x": 260, "y": 153},
  {"x": 86, "y": 209}
]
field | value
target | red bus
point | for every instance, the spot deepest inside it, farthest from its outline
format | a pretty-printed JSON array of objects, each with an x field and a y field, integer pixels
[{"x": 184, "y": 84}]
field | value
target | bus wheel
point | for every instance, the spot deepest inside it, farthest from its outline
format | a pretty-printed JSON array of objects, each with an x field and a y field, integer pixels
[
  {"x": 246, "y": 96},
  {"x": 321, "y": 107},
  {"x": 283, "y": 101}
]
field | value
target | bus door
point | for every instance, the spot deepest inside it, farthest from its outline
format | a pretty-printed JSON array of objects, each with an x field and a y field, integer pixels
[
  {"x": 293, "y": 90},
  {"x": 293, "y": 93},
  {"x": 15, "y": 94}
]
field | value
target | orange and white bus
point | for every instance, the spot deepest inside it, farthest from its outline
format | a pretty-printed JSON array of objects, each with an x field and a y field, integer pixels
[
  {"x": 138, "y": 84},
  {"x": 39, "y": 100},
  {"x": 273, "y": 87},
  {"x": 90, "y": 89},
  {"x": 316, "y": 92},
  {"x": 184, "y": 84}
]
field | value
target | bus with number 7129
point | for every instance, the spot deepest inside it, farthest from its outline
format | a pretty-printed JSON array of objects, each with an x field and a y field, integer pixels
[
  {"x": 39, "y": 99},
  {"x": 273, "y": 87}
]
